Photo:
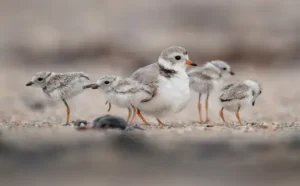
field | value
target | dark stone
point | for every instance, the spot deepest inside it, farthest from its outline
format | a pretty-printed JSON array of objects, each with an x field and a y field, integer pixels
[{"x": 109, "y": 122}]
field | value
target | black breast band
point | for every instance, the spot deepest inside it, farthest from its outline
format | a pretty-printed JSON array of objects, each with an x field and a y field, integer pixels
[{"x": 168, "y": 73}]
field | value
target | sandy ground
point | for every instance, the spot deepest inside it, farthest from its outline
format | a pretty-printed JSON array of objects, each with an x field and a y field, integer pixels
[{"x": 36, "y": 149}]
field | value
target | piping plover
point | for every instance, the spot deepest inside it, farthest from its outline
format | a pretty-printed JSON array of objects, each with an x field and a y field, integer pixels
[
  {"x": 124, "y": 93},
  {"x": 60, "y": 86},
  {"x": 169, "y": 75},
  {"x": 236, "y": 96},
  {"x": 204, "y": 79}
]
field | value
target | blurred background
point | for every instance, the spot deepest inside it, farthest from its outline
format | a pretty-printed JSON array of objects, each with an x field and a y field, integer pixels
[
  {"x": 134, "y": 32},
  {"x": 259, "y": 38}
]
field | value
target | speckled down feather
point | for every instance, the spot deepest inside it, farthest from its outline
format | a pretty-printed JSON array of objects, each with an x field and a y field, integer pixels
[
  {"x": 202, "y": 73},
  {"x": 64, "y": 83},
  {"x": 130, "y": 86},
  {"x": 232, "y": 91}
]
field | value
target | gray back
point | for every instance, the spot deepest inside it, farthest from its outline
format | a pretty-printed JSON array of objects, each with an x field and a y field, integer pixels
[{"x": 147, "y": 74}]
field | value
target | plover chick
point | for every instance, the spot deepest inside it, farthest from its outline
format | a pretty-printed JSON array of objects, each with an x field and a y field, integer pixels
[
  {"x": 60, "y": 86},
  {"x": 169, "y": 75},
  {"x": 121, "y": 92},
  {"x": 236, "y": 96},
  {"x": 204, "y": 79}
]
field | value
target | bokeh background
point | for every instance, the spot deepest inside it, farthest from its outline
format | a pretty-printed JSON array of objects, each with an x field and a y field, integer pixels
[
  {"x": 259, "y": 38},
  {"x": 134, "y": 32}
]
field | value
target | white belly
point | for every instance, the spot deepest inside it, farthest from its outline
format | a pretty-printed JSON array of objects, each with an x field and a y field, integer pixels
[
  {"x": 236, "y": 105},
  {"x": 172, "y": 97},
  {"x": 120, "y": 100}
]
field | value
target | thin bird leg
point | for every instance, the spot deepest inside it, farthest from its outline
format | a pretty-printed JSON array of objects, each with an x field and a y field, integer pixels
[
  {"x": 160, "y": 123},
  {"x": 222, "y": 115},
  {"x": 138, "y": 112},
  {"x": 237, "y": 114},
  {"x": 133, "y": 116},
  {"x": 109, "y": 105},
  {"x": 68, "y": 112},
  {"x": 199, "y": 108},
  {"x": 129, "y": 114},
  {"x": 206, "y": 108}
]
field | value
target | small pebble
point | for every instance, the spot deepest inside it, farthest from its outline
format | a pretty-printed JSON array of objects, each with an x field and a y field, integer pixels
[
  {"x": 264, "y": 125},
  {"x": 80, "y": 124}
]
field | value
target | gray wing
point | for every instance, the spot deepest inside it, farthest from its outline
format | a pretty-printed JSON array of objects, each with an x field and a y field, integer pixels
[
  {"x": 232, "y": 92},
  {"x": 147, "y": 74},
  {"x": 226, "y": 87},
  {"x": 200, "y": 73},
  {"x": 127, "y": 86},
  {"x": 63, "y": 80},
  {"x": 151, "y": 90}
]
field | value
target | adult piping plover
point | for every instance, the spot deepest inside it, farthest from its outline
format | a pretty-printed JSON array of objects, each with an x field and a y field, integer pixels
[
  {"x": 124, "y": 92},
  {"x": 204, "y": 79},
  {"x": 60, "y": 86},
  {"x": 169, "y": 75},
  {"x": 236, "y": 96}
]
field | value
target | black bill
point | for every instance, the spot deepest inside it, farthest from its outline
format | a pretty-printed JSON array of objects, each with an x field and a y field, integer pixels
[
  {"x": 29, "y": 83},
  {"x": 93, "y": 86}
]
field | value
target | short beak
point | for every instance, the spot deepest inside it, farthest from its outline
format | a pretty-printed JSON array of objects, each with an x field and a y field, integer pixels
[
  {"x": 93, "y": 86},
  {"x": 29, "y": 83},
  {"x": 232, "y": 73},
  {"x": 190, "y": 63},
  {"x": 253, "y": 103}
]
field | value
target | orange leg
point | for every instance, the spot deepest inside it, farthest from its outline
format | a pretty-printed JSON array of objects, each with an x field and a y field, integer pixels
[
  {"x": 206, "y": 108},
  {"x": 129, "y": 114},
  {"x": 199, "y": 108},
  {"x": 160, "y": 123},
  {"x": 222, "y": 115},
  {"x": 68, "y": 113},
  {"x": 109, "y": 106},
  {"x": 237, "y": 114},
  {"x": 133, "y": 115},
  {"x": 138, "y": 112}
]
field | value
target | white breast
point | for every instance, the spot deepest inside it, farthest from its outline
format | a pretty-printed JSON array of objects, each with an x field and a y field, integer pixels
[
  {"x": 120, "y": 100},
  {"x": 172, "y": 96}
]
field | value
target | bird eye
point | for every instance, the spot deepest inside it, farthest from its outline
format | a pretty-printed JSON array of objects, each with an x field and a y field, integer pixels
[
  {"x": 224, "y": 68},
  {"x": 106, "y": 82},
  {"x": 40, "y": 79},
  {"x": 177, "y": 57},
  {"x": 259, "y": 92}
]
